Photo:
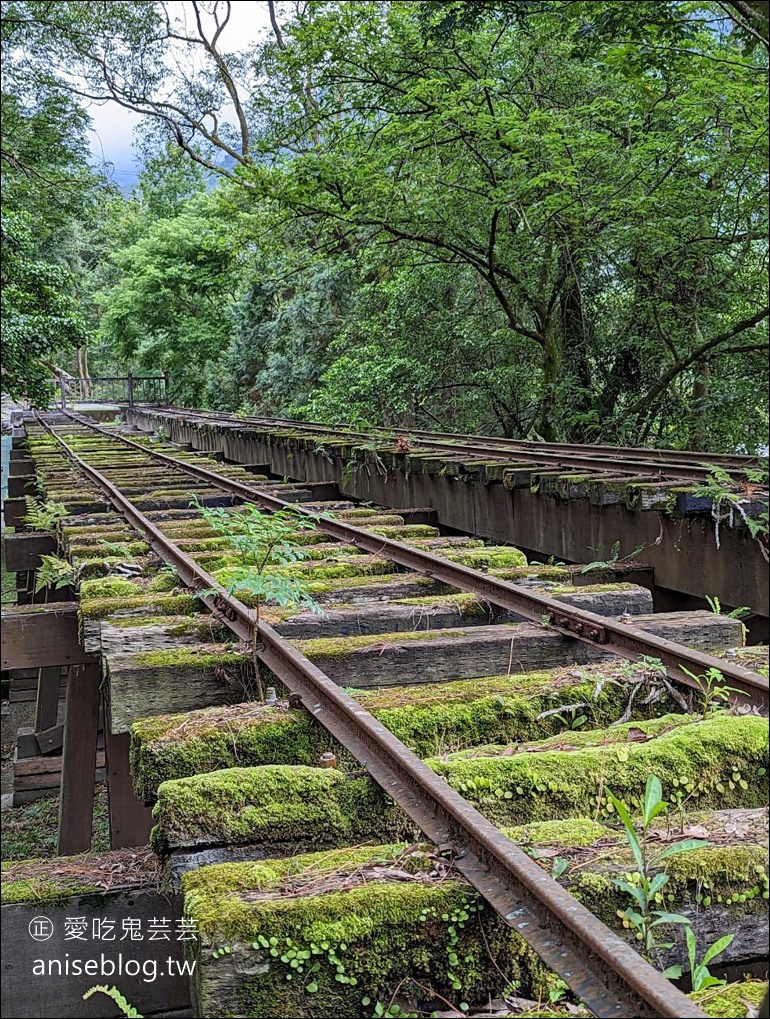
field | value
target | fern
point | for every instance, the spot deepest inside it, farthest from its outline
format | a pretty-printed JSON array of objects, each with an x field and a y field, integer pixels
[
  {"x": 730, "y": 498},
  {"x": 53, "y": 572},
  {"x": 43, "y": 516},
  {"x": 614, "y": 559},
  {"x": 112, "y": 992}
]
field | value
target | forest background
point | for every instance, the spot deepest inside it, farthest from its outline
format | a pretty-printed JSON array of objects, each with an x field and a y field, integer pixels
[{"x": 536, "y": 219}]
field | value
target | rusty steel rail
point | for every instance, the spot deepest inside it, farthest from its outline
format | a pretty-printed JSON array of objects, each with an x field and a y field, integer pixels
[
  {"x": 598, "y": 966},
  {"x": 608, "y": 635},
  {"x": 624, "y": 460}
]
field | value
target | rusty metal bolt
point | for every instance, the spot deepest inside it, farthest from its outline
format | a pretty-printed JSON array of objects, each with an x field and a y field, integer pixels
[{"x": 328, "y": 760}]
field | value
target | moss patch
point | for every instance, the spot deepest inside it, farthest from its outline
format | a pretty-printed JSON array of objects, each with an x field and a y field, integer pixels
[
  {"x": 431, "y": 719},
  {"x": 269, "y": 805},
  {"x": 570, "y": 833},
  {"x": 172, "y": 605},
  {"x": 104, "y": 587},
  {"x": 491, "y": 557},
  {"x": 194, "y": 657},
  {"x": 374, "y": 936},
  {"x": 732, "y": 1002},
  {"x": 406, "y": 531},
  {"x": 51, "y": 881},
  {"x": 740, "y": 893},
  {"x": 164, "y": 582},
  {"x": 340, "y": 647},
  {"x": 697, "y": 761},
  {"x": 179, "y": 746}
]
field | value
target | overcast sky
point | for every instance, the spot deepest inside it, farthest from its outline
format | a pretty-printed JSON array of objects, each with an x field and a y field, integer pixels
[{"x": 113, "y": 125}]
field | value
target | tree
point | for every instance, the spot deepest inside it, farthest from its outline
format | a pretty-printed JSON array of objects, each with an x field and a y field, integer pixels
[
  {"x": 39, "y": 318},
  {"x": 545, "y": 217},
  {"x": 574, "y": 191},
  {"x": 169, "y": 307}
]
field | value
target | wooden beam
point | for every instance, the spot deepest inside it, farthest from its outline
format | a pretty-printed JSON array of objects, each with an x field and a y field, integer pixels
[
  {"x": 23, "y": 551},
  {"x": 14, "y": 512},
  {"x": 76, "y": 804},
  {"x": 49, "y": 741},
  {"x": 19, "y": 464},
  {"x": 47, "y": 704},
  {"x": 42, "y": 635},
  {"x": 20, "y": 485},
  {"x": 130, "y": 820},
  {"x": 28, "y": 997}
]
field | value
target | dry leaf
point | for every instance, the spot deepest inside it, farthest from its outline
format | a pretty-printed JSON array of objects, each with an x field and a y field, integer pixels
[{"x": 695, "y": 831}]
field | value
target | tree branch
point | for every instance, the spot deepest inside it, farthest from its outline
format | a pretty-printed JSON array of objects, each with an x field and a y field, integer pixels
[{"x": 676, "y": 369}]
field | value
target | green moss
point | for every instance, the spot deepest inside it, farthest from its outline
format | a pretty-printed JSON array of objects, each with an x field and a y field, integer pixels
[
  {"x": 88, "y": 533},
  {"x": 465, "y": 603},
  {"x": 268, "y": 875},
  {"x": 492, "y": 557},
  {"x": 430, "y": 719},
  {"x": 357, "y": 514},
  {"x": 172, "y": 605},
  {"x": 102, "y": 566},
  {"x": 339, "y": 647},
  {"x": 176, "y": 746},
  {"x": 41, "y": 892},
  {"x": 215, "y": 561},
  {"x": 571, "y": 833},
  {"x": 193, "y": 657},
  {"x": 404, "y": 531},
  {"x": 321, "y": 587},
  {"x": 529, "y": 572},
  {"x": 579, "y": 739},
  {"x": 717, "y": 867},
  {"x": 557, "y": 592},
  {"x": 376, "y": 936},
  {"x": 733, "y": 1001},
  {"x": 270, "y": 804},
  {"x": 352, "y": 566},
  {"x": 165, "y": 581},
  {"x": 696, "y": 761},
  {"x": 108, "y": 588},
  {"x": 88, "y": 550},
  {"x": 702, "y": 877}
]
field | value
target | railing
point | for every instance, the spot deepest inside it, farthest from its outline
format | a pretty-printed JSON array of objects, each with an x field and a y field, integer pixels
[{"x": 132, "y": 389}]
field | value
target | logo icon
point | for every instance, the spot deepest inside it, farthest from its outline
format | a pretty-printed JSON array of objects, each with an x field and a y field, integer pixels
[{"x": 40, "y": 928}]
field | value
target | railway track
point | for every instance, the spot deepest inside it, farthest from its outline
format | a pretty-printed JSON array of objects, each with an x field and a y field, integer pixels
[
  {"x": 598, "y": 966},
  {"x": 661, "y": 464},
  {"x": 616, "y": 638}
]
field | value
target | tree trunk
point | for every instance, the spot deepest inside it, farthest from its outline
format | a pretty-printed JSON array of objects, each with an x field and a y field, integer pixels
[
  {"x": 551, "y": 364},
  {"x": 698, "y": 437}
]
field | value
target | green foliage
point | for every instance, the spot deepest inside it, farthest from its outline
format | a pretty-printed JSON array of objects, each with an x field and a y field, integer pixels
[
  {"x": 119, "y": 999},
  {"x": 715, "y": 692},
  {"x": 40, "y": 318},
  {"x": 699, "y": 972},
  {"x": 646, "y": 884},
  {"x": 43, "y": 516},
  {"x": 169, "y": 306},
  {"x": 517, "y": 217},
  {"x": 263, "y": 542},
  {"x": 54, "y": 572},
  {"x": 613, "y": 560},
  {"x": 731, "y": 502},
  {"x": 716, "y": 607}
]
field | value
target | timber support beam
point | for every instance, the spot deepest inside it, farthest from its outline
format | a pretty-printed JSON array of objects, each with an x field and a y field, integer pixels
[{"x": 38, "y": 636}]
